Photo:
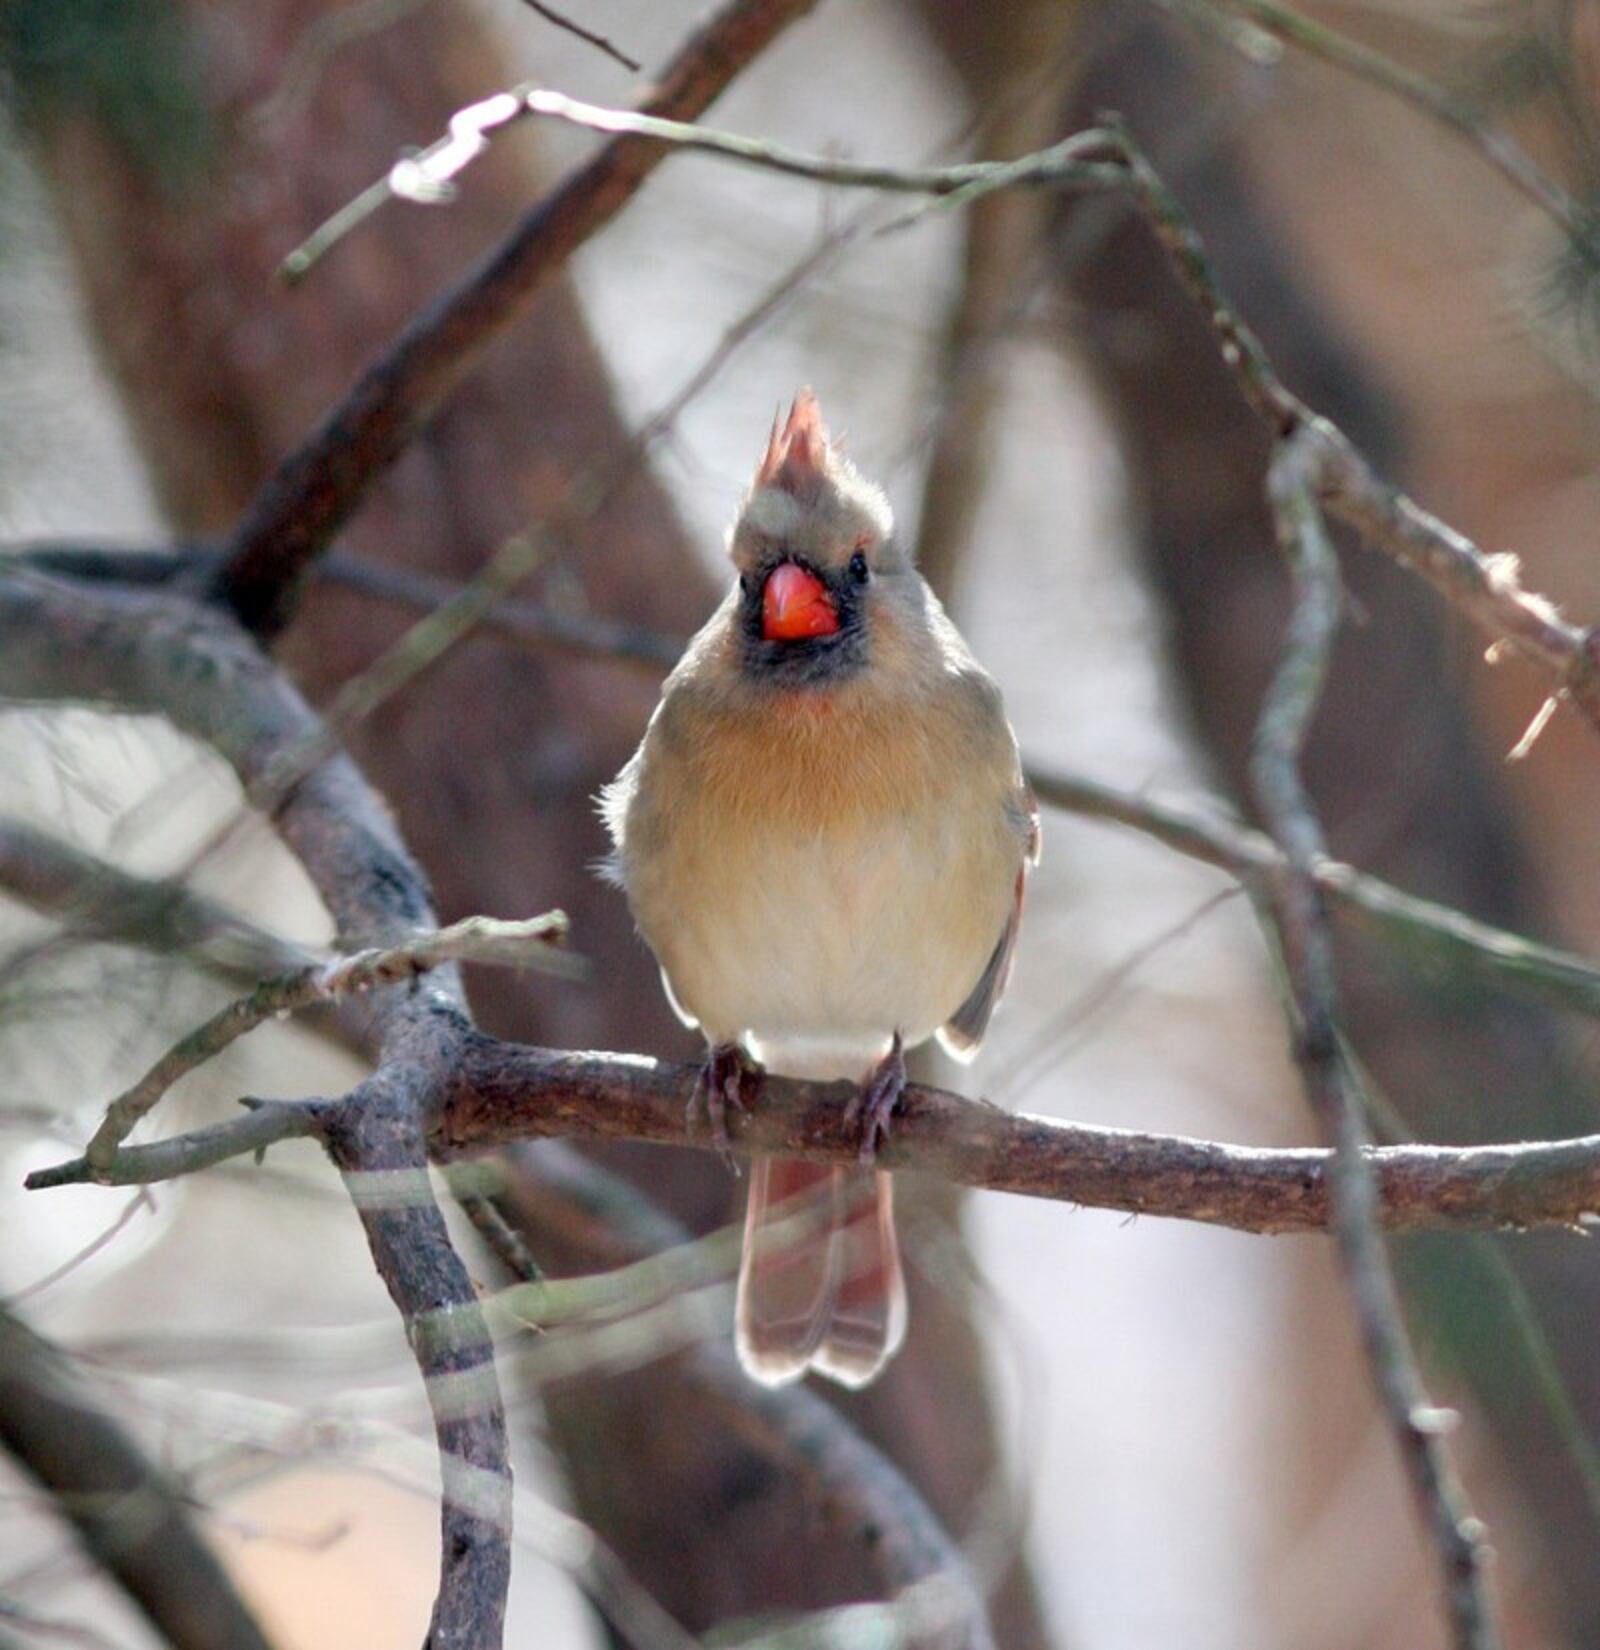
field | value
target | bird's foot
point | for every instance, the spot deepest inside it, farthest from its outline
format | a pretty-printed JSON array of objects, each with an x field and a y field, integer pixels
[
  {"x": 877, "y": 1098},
  {"x": 728, "y": 1078}
]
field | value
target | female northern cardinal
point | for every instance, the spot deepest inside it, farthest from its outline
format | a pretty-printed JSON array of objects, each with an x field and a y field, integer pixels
[{"x": 823, "y": 837}]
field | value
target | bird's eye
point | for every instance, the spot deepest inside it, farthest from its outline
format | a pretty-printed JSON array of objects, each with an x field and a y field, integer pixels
[
  {"x": 744, "y": 583},
  {"x": 859, "y": 571}
]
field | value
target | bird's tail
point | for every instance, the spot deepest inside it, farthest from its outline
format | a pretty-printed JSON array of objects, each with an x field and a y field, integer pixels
[{"x": 820, "y": 1284}]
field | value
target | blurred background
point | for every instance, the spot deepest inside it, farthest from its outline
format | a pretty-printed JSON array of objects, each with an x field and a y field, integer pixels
[{"x": 1144, "y": 1433}]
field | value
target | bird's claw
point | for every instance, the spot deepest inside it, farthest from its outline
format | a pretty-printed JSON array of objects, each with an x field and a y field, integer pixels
[
  {"x": 876, "y": 1100},
  {"x": 722, "y": 1083}
]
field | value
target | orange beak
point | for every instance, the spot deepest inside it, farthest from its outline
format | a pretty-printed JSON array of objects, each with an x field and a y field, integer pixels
[{"x": 795, "y": 604}]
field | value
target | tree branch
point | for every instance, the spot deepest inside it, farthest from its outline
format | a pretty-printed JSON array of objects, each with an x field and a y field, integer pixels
[
  {"x": 529, "y": 624},
  {"x": 500, "y": 1093},
  {"x": 432, "y": 174},
  {"x": 571, "y": 26},
  {"x": 264, "y": 1124},
  {"x": 377, "y": 1135},
  {"x": 295, "y": 515},
  {"x": 1297, "y": 904},
  {"x": 1440, "y": 935}
]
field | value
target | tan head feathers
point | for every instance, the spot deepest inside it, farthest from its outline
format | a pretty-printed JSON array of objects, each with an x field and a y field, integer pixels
[{"x": 797, "y": 451}]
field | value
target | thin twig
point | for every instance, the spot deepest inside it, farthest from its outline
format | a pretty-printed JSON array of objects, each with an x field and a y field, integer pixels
[
  {"x": 571, "y": 26},
  {"x": 1487, "y": 588},
  {"x": 429, "y": 176},
  {"x": 530, "y": 624},
  {"x": 265, "y": 1124},
  {"x": 534, "y": 943},
  {"x": 501, "y": 1238},
  {"x": 1048, "y": 1047},
  {"x": 1286, "y": 717},
  {"x": 141, "y": 1200}
]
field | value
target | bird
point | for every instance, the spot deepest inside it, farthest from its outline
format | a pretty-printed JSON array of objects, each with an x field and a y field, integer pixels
[{"x": 824, "y": 836}]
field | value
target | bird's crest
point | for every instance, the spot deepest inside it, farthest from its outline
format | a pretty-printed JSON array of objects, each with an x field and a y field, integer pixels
[{"x": 797, "y": 450}]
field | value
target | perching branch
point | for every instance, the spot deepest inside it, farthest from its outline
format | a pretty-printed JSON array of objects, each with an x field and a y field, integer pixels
[
  {"x": 315, "y": 489},
  {"x": 497, "y": 1093},
  {"x": 1297, "y": 905}
]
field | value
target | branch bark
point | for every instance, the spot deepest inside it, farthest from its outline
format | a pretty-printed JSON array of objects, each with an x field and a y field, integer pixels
[
  {"x": 1287, "y": 712},
  {"x": 500, "y": 1093}
]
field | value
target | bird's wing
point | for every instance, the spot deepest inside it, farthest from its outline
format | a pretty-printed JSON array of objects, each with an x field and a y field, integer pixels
[{"x": 962, "y": 1035}]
